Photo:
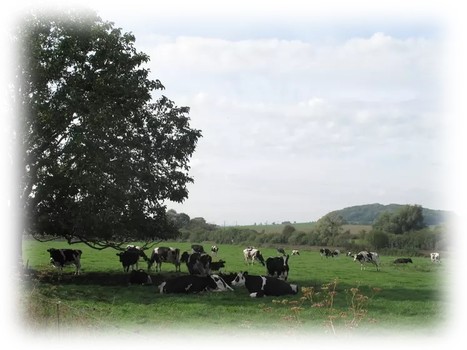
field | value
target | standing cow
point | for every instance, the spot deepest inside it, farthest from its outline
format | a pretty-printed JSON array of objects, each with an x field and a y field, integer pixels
[
  {"x": 367, "y": 257},
  {"x": 329, "y": 253},
  {"x": 164, "y": 255},
  {"x": 130, "y": 257},
  {"x": 278, "y": 267},
  {"x": 214, "y": 250},
  {"x": 197, "y": 263},
  {"x": 435, "y": 257},
  {"x": 62, "y": 257},
  {"x": 251, "y": 254}
]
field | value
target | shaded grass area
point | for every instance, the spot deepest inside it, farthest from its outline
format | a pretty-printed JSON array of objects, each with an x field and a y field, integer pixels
[{"x": 101, "y": 299}]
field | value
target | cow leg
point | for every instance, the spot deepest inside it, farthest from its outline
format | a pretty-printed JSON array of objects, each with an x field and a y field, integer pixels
[
  {"x": 78, "y": 268},
  {"x": 161, "y": 287}
]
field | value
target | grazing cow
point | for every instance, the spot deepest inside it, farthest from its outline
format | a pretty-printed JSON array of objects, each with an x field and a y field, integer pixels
[
  {"x": 325, "y": 252},
  {"x": 251, "y": 254},
  {"x": 130, "y": 257},
  {"x": 62, "y": 257},
  {"x": 214, "y": 250},
  {"x": 139, "y": 277},
  {"x": 403, "y": 261},
  {"x": 295, "y": 252},
  {"x": 197, "y": 248},
  {"x": 278, "y": 267},
  {"x": 217, "y": 265},
  {"x": 194, "y": 284},
  {"x": 197, "y": 263},
  {"x": 166, "y": 255},
  {"x": 328, "y": 253},
  {"x": 281, "y": 251},
  {"x": 259, "y": 286},
  {"x": 435, "y": 257},
  {"x": 367, "y": 257}
]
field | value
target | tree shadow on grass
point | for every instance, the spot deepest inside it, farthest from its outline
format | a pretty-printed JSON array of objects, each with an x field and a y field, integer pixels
[{"x": 109, "y": 278}]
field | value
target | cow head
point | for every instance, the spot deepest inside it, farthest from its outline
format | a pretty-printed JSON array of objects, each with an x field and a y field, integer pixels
[
  {"x": 184, "y": 257},
  {"x": 259, "y": 256},
  {"x": 222, "y": 286},
  {"x": 240, "y": 279}
]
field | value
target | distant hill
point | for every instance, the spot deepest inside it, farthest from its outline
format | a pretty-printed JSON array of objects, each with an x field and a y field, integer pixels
[{"x": 366, "y": 214}]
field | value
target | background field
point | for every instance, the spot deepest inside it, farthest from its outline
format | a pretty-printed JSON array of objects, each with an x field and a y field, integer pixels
[
  {"x": 400, "y": 298},
  {"x": 301, "y": 226}
]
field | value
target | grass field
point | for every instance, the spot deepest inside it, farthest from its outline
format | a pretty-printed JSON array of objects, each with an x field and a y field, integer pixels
[{"x": 100, "y": 299}]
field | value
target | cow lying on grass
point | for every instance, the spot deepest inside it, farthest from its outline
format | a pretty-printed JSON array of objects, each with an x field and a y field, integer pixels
[
  {"x": 259, "y": 286},
  {"x": 139, "y": 277},
  {"x": 194, "y": 284}
]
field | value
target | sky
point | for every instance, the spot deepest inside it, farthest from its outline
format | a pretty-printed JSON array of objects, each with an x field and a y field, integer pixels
[
  {"x": 301, "y": 115},
  {"x": 304, "y": 109}
]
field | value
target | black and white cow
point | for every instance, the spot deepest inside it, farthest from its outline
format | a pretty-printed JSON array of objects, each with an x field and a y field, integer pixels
[
  {"x": 329, "y": 253},
  {"x": 259, "y": 286},
  {"x": 214, "y": 250},
  {"x": 197, "y": 263},
  {"x": 325, "y": 252},
  {"x": 367, "y": 257},
  {"x": 251, "y": 254},
  {"x": 139, "y": 277},
  {"x": 281, "y": 251},
  {"x": 62, "y": 257},
  {"x": 278, "y": 267},
  {"x": 403, "y": 261},
  {"x": 228, "y": 277},
  {"x": 164, "y": 255},
  {"x": 197, "y": 248},
  {"x": 194, "y": 284},
  {"x": 217, "y": 265},
  {"x": 130, "y": 257},
  {"x": 295, "y": 252},
  {"x": 435, "y": 257}
]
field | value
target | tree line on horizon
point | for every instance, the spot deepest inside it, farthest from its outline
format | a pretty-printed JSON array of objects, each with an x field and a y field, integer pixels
[{"x": 403, "y": 230}]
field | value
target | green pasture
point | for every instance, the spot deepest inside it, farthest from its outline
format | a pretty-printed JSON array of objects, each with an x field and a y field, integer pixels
[{"x": 408, "y": 297}]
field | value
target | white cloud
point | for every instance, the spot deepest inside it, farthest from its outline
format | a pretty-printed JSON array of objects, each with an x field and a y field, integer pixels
[{"x": 321, "y": 125}]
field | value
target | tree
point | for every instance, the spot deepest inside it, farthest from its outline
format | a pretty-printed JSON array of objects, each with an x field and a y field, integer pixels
[
  {"x": 328, "y": 227},
  {"x": 408, "y": 218},
  {"x": 288, "y": 230},
  {"x": 100, "y": 156}
]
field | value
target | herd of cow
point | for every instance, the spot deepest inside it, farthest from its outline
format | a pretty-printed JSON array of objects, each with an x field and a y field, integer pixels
[{"x": 202, "y": 270}]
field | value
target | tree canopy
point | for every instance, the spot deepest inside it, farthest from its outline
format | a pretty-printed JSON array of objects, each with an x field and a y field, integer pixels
[
  {"x": 101, "y": 154},
  {"x": 407, "y": 218}
]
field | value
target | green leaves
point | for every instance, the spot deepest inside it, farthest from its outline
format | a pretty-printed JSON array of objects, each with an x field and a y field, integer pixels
[{"x": 100, "y": 157}]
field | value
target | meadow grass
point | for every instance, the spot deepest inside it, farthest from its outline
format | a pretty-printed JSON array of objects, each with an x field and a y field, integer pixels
[{"x": 101, "y": 300}]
